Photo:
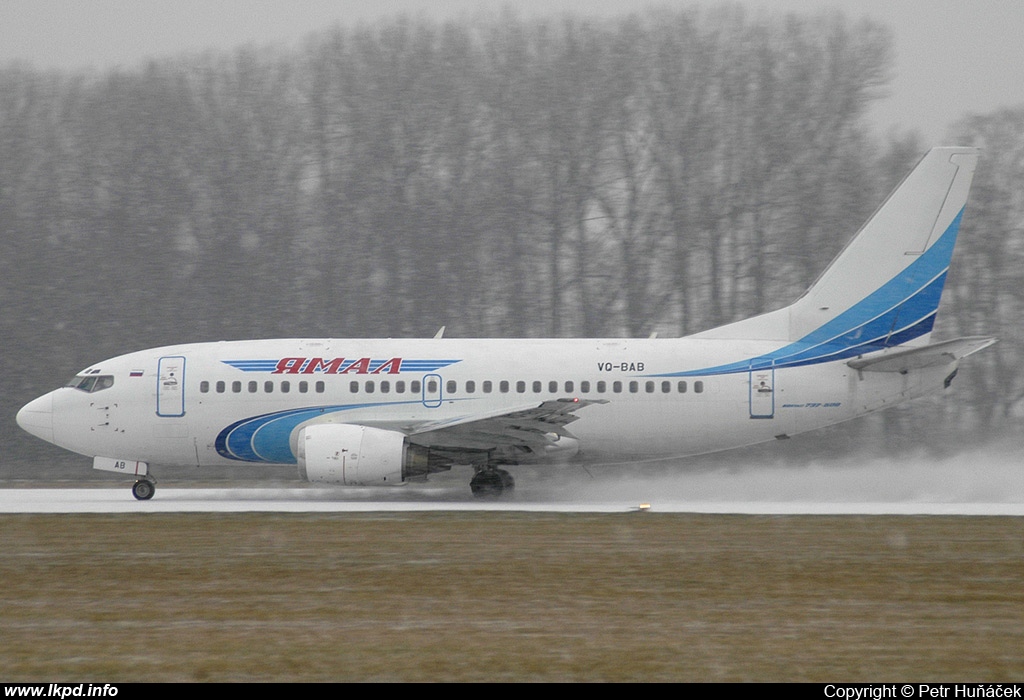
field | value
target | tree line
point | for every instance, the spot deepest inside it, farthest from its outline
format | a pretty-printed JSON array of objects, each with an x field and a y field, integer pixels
[{"x": 662, "y": 172}]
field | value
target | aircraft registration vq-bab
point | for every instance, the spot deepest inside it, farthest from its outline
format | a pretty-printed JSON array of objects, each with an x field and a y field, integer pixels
[{"x": 372, "y": 412}]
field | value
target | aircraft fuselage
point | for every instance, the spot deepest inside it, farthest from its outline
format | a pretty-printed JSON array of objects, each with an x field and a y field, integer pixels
[{"x": 222, "y": 403}]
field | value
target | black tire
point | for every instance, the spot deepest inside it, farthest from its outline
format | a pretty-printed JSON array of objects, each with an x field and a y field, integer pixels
[
  {"x": 143, "y": 489},
  {"x": 487, "y": 484}
]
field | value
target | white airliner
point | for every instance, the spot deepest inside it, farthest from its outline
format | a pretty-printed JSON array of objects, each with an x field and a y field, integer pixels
[{"x": 392, "y": 411}]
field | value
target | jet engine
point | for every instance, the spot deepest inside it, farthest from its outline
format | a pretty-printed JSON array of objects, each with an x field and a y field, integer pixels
[{"x": 357, "y": 455}]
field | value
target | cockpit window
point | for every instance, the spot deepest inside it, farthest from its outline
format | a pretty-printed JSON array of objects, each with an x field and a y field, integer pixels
[{"x": 91, "y": 384}]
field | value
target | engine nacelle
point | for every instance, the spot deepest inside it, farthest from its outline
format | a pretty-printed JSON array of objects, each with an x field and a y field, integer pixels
[{"x": 356, "y": 455}]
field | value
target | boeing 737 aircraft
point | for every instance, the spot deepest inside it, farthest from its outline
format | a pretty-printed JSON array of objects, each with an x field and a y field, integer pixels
[{"x": 393, "y": 411}]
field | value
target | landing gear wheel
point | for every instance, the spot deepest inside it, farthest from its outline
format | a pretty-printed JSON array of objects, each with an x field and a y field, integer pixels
[
  {"x": 492, "y": 483},
  {"x": 508, "y": 484},
  {"x": 143, "y": 489}
]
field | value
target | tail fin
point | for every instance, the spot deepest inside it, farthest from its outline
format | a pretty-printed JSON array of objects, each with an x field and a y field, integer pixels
[{"x": 883, "y": 289}]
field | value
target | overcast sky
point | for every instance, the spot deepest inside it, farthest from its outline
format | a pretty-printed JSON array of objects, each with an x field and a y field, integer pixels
[{"x": 953, "y": 57}]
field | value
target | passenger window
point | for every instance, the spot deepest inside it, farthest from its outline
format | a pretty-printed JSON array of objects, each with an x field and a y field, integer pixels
[
  {"x": 320, "y": 387},
  {"x": 450, "y": 386},
  {"x": 253, "y": 387},
  {"x": 601, "y": 386},
  {"x": 584, "y": 387},
  {"x": 698, "y": 387},
  {"x": 286, "y": 387},
  {"x": 369, "y": 387},
  {"x": 666, "y": 387},
  {"x": 487, "y": 387},
  {"x": 432, "y": 386},
  {"x": 353, "y": 387},
  {"x": 568, "y": 387},
  {"x": 303, "y": 387},
  {"x": 617, "y": 387},
  {"x": 682, "y": 387},
  {"x": 204, "y": 387},
  {"x": 634, "y": 387},
  {"x": 385, "y": 387},
  {"x": 649, "y": 386},
  {"x": 268, "y": 387},
  {"x": 236, "y": 387},
  {"x": 503, "y": 387},
  {"x": 400, "y": 387},
  {"x": 521, "y": 387},
  {"x": 220, "y": 387},
  {"x": 536, "y": 387},
  {"x": 414, "y": 386},
  {"x": 470, "y": 386}
]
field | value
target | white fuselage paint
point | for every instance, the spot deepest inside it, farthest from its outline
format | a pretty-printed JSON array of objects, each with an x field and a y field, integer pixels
[{"x": 122, "y": 421}]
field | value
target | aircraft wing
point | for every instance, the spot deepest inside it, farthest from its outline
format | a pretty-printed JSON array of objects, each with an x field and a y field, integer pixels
[
  {"x": 903, "y": 361},
  {"x": 536, "y": 427}
]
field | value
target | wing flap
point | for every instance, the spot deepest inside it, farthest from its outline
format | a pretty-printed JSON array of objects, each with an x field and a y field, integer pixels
[{"x": 534, "y": 426}]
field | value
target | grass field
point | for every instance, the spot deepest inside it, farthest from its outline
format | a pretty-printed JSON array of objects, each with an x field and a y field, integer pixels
[{"x": 484, "y": 596}]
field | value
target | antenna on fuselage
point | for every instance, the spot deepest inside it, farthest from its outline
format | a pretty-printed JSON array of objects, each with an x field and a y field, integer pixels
[{"x": 440, "y": 333}]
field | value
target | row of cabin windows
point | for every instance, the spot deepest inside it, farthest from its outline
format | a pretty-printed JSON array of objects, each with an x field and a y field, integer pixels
[
  {"x": 470, "y": 387},
  {"x": 537, "y": 387}
]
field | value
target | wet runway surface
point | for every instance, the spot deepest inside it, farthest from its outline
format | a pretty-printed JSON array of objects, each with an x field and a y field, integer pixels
[
  {"x": 329, "y": 500},
  {"x": 981, "y": 482}
]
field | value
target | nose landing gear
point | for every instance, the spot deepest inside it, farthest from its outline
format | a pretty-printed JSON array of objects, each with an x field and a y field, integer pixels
[{"x": 143, "y": 489}]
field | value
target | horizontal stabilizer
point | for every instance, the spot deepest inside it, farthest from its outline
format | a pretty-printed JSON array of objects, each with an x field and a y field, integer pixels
[{"x": 933, "y": 355}]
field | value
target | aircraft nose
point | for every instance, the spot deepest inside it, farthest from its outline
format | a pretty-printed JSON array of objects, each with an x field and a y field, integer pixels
[{"x": 36, "y": 417}]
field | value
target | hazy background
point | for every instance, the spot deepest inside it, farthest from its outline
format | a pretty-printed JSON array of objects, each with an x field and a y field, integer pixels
[
  {"x": 950, "y": 58},
  {"x": 174, "y": 172}
]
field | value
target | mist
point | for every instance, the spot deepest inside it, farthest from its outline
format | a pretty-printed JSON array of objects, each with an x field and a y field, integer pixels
[{"x": 982, "y": 475}]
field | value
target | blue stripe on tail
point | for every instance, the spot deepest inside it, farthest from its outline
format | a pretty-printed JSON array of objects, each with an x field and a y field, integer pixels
[{"x": 902, "y": 309}]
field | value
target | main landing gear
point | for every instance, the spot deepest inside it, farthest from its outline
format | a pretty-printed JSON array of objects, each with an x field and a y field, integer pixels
[
  {"x": 492, "y": 483},
  {"x": 144, "y": 489}
]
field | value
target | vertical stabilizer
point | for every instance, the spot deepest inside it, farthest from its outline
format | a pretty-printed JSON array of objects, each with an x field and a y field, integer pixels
[
  {"x": 883, "y": 289},
  {"x": 888, "y": 280}
]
